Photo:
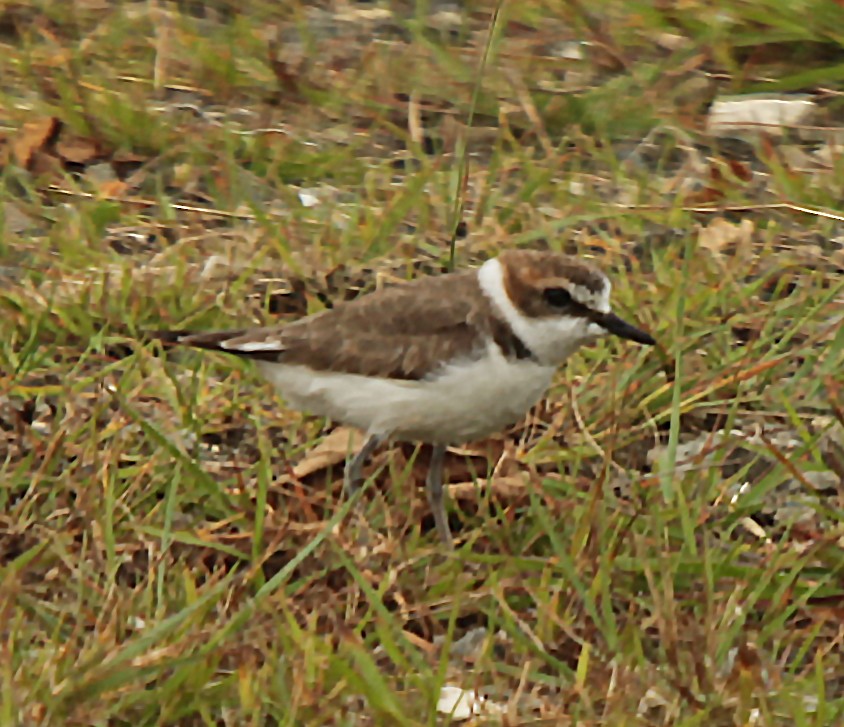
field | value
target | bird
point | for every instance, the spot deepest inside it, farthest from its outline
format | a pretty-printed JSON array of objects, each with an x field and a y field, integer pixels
[{"x": 440, "y": 360}]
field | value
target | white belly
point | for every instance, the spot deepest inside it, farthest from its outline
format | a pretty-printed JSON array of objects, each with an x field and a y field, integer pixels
[{"x": 463, "y": 402}]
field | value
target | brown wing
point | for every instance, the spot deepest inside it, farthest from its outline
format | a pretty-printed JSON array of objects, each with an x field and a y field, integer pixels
[{"x": 402, "y": 332}]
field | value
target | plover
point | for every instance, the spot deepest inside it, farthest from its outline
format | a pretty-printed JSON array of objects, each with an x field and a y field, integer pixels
[{"x": 441, "y": 360}]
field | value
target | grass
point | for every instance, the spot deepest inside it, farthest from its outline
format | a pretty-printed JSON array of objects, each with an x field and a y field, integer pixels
[{"x": 661, "y": 540}]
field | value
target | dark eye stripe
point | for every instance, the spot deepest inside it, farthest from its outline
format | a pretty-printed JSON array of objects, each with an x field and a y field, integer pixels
[{"x": 557, "y": 297}]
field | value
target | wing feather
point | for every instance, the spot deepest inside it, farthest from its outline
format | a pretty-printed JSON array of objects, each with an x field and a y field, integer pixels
[{"x": 402, "y": 332}]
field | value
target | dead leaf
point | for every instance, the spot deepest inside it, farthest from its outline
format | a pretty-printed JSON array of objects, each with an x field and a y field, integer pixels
[
  {"x": 721, "y": 234},
  {"x": 124, "y": 156},
  {"x": 331, "y": 451},
  {"x": 77, "y": 149},
  {"x": 32, "y": 137},
  {"x": 44, "y": 164},
  {"x": 505, "y": 487},
  {"x": 113, "y": 188}
]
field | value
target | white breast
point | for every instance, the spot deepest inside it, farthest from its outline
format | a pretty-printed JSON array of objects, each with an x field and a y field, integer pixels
[{"x": 464, "y": 401}]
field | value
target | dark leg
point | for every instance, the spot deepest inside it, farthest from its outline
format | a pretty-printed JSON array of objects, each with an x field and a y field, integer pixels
[
  {"x": 434, "y": 491},
  {"x": 353, "y": 475}
]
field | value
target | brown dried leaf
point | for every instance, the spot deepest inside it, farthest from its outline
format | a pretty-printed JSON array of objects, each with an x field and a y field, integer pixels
[
  {"x": 125, "y": 156},
  {"x": 332, "y": 450},
  {"x": 44, "y": 164},
  {"x": 32, "y": 137},
  {"x": 720, "y": 234},
  {"x": 504, "y": 487},
  {"x": 113, "y": 188},
  {"x": 77, "y": 149}
]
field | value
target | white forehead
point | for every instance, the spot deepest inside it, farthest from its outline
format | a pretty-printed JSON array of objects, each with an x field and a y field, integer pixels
[{"x": 596, "y": 300}]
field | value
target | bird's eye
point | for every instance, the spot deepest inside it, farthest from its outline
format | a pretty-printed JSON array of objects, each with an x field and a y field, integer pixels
[{"x": 557, "y": 297}]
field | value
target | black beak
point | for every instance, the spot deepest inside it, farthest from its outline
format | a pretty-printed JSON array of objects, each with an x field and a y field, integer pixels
[{"x": 621, "y": 328}]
